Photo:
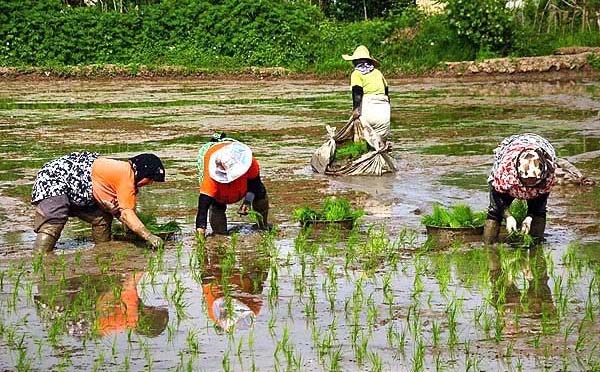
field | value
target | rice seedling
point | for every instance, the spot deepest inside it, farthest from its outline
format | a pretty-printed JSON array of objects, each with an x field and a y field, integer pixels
[
  {"x": 332, "y": 209},
  {"x": 376, "y": 362},
  {"x": 439, "y": 366},
  {"x": 435, "y": 332},
  {"x": 518, "y": 209},
  {"x": 226, "y": 364},
  {"x": 418, "y": 360},
  {"x": 165, "y": 230},
  {"x": 581, "y": 337},
  {"x": 459, "y": 215},
  {"x": 351, "y": 150},
  {"x": 193, "y": 345}
]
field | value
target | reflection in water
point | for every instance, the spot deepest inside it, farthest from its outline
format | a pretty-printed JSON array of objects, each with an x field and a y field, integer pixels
[
  {"x": 520, "y": 286},
  {"x": 92, "y": 305},
  {"x": 233, "y": 290}
]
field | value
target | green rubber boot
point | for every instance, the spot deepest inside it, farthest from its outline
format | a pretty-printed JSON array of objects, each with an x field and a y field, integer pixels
[{"x": 47, "y": 237}]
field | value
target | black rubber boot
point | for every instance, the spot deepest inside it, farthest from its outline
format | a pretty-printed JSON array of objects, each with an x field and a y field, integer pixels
[
  {"x": 261, "y": 206},
  {"x": 491, "y": 229},
  {"x": 218, "y": 219},
  {"x": 47, "y": 237},
  {"x": 538, "y": 226}
]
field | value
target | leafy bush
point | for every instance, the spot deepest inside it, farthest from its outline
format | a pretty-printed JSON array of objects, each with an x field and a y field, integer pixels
[
  {"x": 485, "y": 24},
  {"x": 424, "y": 42},
  {"x": 231, "y": 34},
  {"x": 459, "y": 215},
  {"x": 333, "y": 209}
]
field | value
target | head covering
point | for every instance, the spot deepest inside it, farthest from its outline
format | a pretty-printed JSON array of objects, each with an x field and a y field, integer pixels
[
  {"x": 507, "y": 173},
  {"x": 230, "y": 162},
  {"x": 361, "y": 52},
  {"x": 529, "y": 164},
  {"x": 147, "y": 166}
]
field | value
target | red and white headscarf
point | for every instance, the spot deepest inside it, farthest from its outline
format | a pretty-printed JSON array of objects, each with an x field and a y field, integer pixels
[{"x": 504, "y": 176}]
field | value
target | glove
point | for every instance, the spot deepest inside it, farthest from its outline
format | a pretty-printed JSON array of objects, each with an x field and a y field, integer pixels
[
  {"x": 511, "y": 224},
  {"x": 526, "y": 225},
  {"x": 155, "y": 241}
]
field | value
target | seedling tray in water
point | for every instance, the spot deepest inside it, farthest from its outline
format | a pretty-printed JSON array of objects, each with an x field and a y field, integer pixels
[
  {"x": 347, "y": 223},
  {"x": 164, "y": 235},
  {"x": 446, "y": 235}
]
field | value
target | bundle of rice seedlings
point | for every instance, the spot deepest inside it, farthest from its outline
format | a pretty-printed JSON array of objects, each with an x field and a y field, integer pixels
[
  {"x": 351, "y": 150},
  {"x": 459, "y": 215},
  {"x": 333, "y": 209},
  {"x": 518, "y": 209}
]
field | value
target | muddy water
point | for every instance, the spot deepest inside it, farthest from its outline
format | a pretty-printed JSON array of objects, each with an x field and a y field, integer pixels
[{"x": 324, "y": 301}]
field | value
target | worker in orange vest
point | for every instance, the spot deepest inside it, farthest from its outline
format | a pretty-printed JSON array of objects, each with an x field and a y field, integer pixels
[{"x": 228, "y": 173}]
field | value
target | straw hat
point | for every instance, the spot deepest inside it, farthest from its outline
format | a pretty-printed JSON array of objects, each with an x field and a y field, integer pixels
[
  {"x": 230, "y": 162},
  {"x": 361, "y": 52}
]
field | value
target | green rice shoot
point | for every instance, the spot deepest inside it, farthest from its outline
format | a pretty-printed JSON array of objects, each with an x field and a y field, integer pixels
[
  {"x": 333, "y": 209},
  {"x": 518, "y": 209},
  {"x": 150, "y": 221},
  {"x": 456, "y": 216},
  {"x": 351, "y": 150}
]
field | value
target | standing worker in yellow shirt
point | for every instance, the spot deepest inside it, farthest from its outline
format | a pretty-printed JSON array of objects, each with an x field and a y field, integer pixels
[{"x": 370, "y": 92}]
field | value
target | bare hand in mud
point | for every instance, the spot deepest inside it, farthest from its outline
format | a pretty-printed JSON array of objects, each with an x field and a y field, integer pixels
[{"x": 244, "y": 208}]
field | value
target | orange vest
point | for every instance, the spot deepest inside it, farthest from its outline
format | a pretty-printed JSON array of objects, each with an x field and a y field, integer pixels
[{"x": 226, "y": 193}]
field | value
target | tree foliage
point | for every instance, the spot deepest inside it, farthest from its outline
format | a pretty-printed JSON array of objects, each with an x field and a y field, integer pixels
[
  {"x": 297, "y": 34},
  {"x": 485, "y": 24}
]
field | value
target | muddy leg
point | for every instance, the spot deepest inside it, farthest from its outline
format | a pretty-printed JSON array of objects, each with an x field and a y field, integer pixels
[
  {"x": 491, "y": 229},
  {"x": 218, "y": 219},
  {"x": 538, "y": 226},
  {"x": 51, "y": 215},
  {"x": 100, "y": 220},
  {"x": 261, "y": 206}
]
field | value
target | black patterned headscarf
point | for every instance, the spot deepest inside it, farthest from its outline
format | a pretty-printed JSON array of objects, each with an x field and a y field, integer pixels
[{"x": 147, "y": 166}]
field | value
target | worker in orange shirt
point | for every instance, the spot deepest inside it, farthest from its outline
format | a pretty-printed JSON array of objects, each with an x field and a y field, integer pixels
[
  {"x": 95, "y": 189},
  {"x": 228, "y": 173}
]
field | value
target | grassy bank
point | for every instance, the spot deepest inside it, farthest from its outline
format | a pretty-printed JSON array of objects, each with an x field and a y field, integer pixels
[{"x": 230, "y": 36}]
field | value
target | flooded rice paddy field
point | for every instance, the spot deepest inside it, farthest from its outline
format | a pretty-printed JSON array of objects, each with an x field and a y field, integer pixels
[{"x": 375, "y": 298}]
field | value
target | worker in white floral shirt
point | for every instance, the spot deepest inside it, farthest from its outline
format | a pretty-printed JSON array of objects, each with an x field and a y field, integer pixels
[{"x": 523, "y": 169}]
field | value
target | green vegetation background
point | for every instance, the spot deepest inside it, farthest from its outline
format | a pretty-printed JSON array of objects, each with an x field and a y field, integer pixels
[{"x": 222, "y": 35}]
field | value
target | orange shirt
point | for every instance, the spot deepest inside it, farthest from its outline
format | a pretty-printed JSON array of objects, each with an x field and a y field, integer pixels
[
  {"x": 113, "y": 181},
  {"x": 226, "y": 193}
]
